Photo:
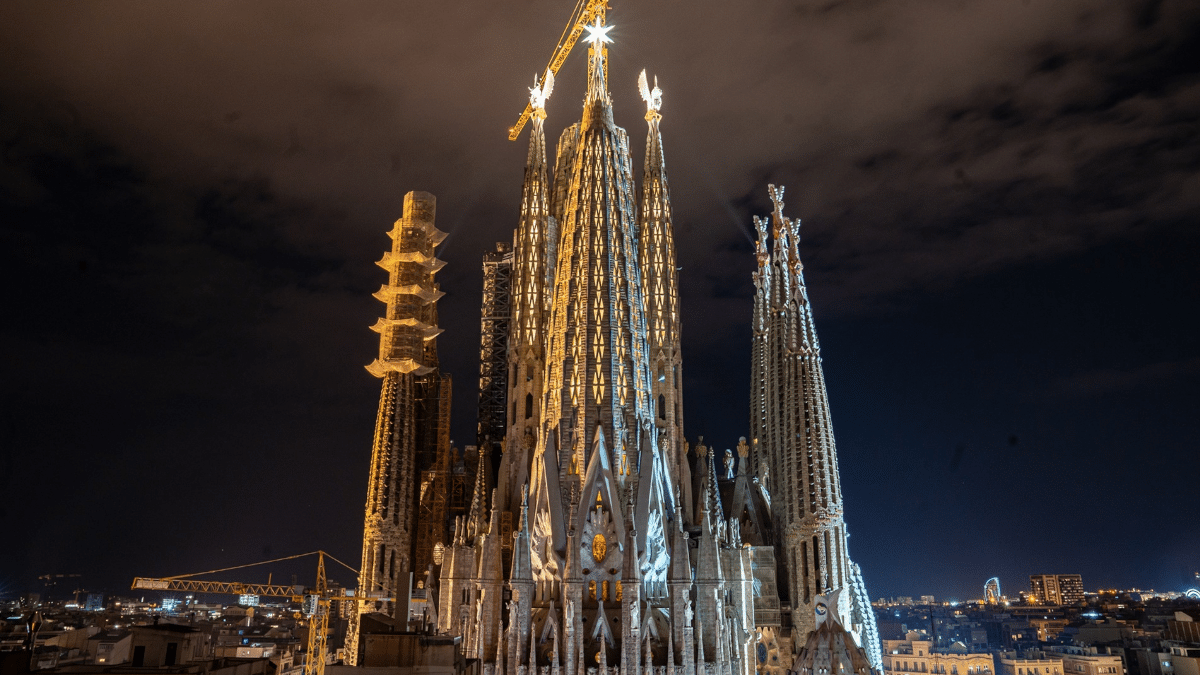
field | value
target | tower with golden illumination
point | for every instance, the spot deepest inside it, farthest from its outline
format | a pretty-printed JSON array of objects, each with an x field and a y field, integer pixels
[
  {"x": 608, "y": 572},
  {"x": 406, "y": 506},
  {"x": 607, "y": 546}
]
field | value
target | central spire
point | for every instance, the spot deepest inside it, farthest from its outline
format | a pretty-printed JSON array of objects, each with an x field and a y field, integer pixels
[
  {"x": 597, "y": 53},
  {"x": 597, "y": 368}
]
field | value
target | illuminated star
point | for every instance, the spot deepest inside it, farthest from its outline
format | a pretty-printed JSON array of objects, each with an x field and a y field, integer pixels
[{"x": 598, "y": 33}]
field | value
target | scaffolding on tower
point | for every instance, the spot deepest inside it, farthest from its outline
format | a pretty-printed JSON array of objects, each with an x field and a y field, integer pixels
[{"x": 495, "y": 317}]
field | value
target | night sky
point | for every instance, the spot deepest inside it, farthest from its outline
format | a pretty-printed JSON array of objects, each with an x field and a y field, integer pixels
[{"x": 1000, "y": 202}]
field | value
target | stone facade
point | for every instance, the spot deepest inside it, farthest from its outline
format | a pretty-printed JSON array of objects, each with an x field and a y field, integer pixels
[{"x": 608, "y": 545}]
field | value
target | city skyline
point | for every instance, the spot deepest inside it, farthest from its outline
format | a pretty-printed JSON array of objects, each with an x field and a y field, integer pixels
[{"x": 997, "y": 247}]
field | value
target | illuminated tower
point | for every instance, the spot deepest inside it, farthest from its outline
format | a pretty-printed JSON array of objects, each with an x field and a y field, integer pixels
[
  {"x": 601, "y": 578},
  {"x": 597, "y": 370},
  {"x": 411, "y": 427},
  {"x": 530, "y": 284},
  {"x": 793, "y": 447},
  {"x": 597, "y": 425},
  {"x": 660, "y": 288}
]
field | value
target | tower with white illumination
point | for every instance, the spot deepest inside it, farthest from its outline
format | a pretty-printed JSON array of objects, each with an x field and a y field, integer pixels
[{"x": 792, "y": 444}]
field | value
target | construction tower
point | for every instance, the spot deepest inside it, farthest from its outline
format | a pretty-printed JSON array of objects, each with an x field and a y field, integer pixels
[{"x": 412, "y": 427}]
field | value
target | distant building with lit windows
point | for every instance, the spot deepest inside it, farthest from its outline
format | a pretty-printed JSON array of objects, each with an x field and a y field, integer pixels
[
  {"x": 1032, "y": 662},
  {"x": 1056, "y": 589},
  {"x": 1088, "y": 661},
  {"x": 916, "y": 656}
]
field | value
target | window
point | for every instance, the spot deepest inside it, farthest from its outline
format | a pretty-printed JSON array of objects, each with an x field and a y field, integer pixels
[
  {"x": 528, "y": 406},
  {"x": 662, "y": 407}
]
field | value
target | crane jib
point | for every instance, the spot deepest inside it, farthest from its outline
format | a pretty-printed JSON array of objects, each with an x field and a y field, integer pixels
[{"x": 585, "y": 12}]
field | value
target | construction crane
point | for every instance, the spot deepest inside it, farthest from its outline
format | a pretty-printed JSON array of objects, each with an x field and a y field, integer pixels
[
  {"x": 314, "y": 601},
  {"x": 586, "y": 11}
]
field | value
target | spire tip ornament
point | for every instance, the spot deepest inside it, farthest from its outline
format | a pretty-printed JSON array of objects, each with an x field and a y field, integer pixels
[
  {"x": 598, "y": 32},
  {"x": 540, "y": 93},
  {"x": 652, "y": 97}
]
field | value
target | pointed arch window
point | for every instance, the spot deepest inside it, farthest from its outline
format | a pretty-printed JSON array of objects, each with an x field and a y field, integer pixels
[
  {"x": 662, "y": 407},
  {"x": 528, "y": 406}
]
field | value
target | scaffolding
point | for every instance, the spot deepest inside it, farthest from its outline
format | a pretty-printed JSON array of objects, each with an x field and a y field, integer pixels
[
  {"x": 496, "y": 315},
  {"x": 432, "y": 513}
]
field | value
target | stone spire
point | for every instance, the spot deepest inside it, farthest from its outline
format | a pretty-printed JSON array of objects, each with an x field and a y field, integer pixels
[
  {"x": 790, "y": 423},
  {"x": 660, "y": 288},
  {"x": 597, "y": 371},
  {"x": 490, "y": 582},
  {"x": 597, "y": 58},
  {"x": 653, "y": 513},
  {"x": 548, "y": 533},
  {"x": 475, "y": 517},
  {"x": 529, "y": 286},
  {"x": 521, "y": 584}
]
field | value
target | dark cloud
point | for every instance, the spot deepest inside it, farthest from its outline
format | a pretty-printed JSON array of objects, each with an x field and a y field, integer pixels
[
  {"x": 1098, "y": 383},
  {"x": 192, "y": 198}
]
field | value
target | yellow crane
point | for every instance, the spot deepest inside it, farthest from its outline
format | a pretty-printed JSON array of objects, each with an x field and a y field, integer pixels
[
  {"x": 314, "y": 601},
  {"x": 586, "y": 11}
]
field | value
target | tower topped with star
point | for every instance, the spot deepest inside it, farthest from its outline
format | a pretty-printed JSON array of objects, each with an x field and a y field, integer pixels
[{"x": 598, "y": 39}]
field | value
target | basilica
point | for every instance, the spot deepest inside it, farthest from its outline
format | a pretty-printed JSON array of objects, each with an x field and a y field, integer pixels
[{"x": 584, "y": 534}]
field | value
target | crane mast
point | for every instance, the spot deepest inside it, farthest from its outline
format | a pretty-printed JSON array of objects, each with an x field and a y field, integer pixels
[
  {"x": 586, "y": 11},
  {"x": 316, "y": 601}
]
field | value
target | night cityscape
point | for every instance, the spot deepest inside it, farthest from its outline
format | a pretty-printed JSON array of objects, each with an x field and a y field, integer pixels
[{"x": 920, "y": 274}]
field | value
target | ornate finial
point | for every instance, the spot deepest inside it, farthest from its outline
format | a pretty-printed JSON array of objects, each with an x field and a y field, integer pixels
[
  {"x": 524, "y": 524},
  {"x": 776, "y": 194},
  {"x": 538, "y": 94},
  {"x": 742, "y": 447},
  {"x": 760, "y": 225},
  {"x": 598, "y": 33},
  {"x": 597, "y": 79},
  {"x": 652, "y": 97},
  {"x": 701, "y": 449}
]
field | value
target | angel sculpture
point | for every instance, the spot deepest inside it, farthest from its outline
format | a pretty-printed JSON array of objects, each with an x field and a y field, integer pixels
[
  {"x": 652, "y": 97},
  {"x": 539, "y": 93}
]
